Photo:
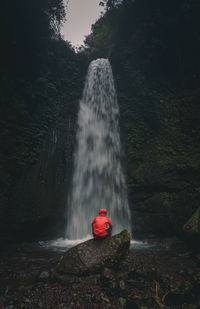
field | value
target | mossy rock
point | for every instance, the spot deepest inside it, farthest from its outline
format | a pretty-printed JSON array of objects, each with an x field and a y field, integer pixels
[
  {"x": 156, "y": 203},
  {"x": 92, "y": 256},
  {"x": 192, "y": 226}
]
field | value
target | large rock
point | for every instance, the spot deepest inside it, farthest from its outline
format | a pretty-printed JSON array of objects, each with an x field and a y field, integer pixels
[
  {"x": 192, "y": 226},
  {"x": 92, "y": 256},
  {"x": 192, "y": 231}
]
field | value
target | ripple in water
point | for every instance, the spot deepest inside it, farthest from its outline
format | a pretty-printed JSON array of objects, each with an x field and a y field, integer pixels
[{"x": 63, "y": 244}]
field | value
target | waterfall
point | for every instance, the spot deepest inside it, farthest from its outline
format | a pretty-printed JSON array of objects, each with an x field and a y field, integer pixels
[{"x": 98, "y": 180}]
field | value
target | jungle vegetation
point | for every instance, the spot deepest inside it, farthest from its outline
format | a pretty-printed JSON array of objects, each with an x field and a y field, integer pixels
[{"x": 154, "y": 47}]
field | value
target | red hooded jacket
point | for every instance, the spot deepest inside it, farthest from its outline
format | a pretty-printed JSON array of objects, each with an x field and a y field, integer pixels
[{"x": 101, "y": 224}]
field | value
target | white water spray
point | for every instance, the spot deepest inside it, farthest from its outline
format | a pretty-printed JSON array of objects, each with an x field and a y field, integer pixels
[{"x": 98, "y": 180}]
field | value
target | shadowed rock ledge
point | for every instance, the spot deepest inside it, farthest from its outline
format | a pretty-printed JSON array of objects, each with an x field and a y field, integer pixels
[{"x": 92, "y": 256}]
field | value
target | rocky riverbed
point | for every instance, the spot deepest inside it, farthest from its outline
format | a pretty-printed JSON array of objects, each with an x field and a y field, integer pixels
[{"x": 163, "y": 274}]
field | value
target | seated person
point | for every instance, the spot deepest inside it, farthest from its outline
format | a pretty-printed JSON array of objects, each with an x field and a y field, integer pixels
[{"x": 101, "y": 225}]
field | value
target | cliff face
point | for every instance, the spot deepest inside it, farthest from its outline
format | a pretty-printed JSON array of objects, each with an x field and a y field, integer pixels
[
  {"x": 153, "y": 48},
  {"x": 159, "y": 125},
  {"x": 37, "y": 151},
  {"x": 154, "y": 51},
  {"x": 162, "y": 167},
  {"x": 37, "y": 133},
  {"x": 40, "y": 84},
  {"x": 37, "y": 201}
]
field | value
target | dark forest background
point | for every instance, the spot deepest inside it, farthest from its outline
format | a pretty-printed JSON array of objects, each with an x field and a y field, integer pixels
[{"x": 154, "y": 48}]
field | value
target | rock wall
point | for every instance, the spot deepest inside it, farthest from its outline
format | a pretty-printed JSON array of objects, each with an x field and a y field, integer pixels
[
  {"x": 154, "y": 57},
  {"x": 37, "y": 203},
  {"x": 161, "y": 159}
]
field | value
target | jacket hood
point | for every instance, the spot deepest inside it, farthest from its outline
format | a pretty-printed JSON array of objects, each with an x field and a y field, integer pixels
[{"x": 102, "y": 212}]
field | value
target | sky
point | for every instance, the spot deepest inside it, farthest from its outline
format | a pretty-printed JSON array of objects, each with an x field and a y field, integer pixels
[{"x": 81, "y": 14}]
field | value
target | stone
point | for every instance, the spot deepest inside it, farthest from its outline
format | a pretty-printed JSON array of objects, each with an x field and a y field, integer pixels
[
  {"x": 122, "y": 301},
  {"x": 191, "y": 231},
  {"x": 27, "y": 300},
  {"x": 109, "y": 278},
  {"x": 90, "y": 257},
  {"x": 44, "y": 275},
  {"x": 192, "y": 226},
  {"x": 122, "y": 285}
]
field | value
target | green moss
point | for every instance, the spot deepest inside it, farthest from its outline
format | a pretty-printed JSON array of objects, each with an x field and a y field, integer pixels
[
  {"x": 122, "y": 301},
  {"x": 192, "y": 226}
]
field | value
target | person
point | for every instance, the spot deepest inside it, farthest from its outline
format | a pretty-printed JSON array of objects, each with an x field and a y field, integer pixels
[{"x": 101, "y": 225}]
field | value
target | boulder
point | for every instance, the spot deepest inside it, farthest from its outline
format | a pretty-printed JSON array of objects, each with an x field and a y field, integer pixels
[
  {"x": 192, "y": 226},
  {"x": 91, "y": 256},
  {"x": 191, "y": 230},
  {"x": 44, "y": 276}
]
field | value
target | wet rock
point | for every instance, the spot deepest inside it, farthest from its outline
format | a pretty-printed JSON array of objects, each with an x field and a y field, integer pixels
[
  {"x": 44, "y": 275},
  {"x": 192, "y": 226},
  {"x": 27, "y": 300},
  {"x": 191, "y": 230},
  {"x": 93, "y": 255},
  {"x": 122, "y": 285},
  {"x": 109, "y": 278},
  {"x": 122, "y": 301},
  {"x": 11, "y": 304}
]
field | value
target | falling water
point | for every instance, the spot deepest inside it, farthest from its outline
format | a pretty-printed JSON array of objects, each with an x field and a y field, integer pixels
[{"x": 98, "y": 180}]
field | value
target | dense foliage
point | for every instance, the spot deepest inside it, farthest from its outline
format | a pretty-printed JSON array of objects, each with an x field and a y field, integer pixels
[
  {"x": 154, "y": 49},
  {"x": 40, "y": 83}
]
